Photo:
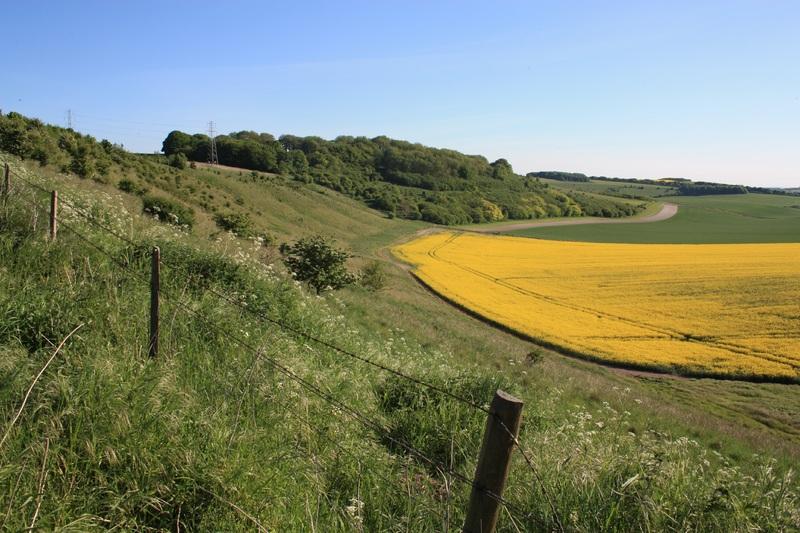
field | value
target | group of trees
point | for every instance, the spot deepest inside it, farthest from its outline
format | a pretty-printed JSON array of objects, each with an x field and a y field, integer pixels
[
  {"x": 559, "y": 176},
  {"x": 702, "y": 188},
  {"x": 64, "y": 148},
  {"x": 245, "y": 149},
  {"x": 403, "y": 179}
]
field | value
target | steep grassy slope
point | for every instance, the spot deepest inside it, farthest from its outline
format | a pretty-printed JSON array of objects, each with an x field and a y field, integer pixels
[{"x": 212, "y": 435}]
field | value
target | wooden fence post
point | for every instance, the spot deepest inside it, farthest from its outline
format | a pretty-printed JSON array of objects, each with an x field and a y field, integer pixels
[
  {"x": 53, "y": 215},
  {"x": 6, "y": 183},
  {"x": 155, "y": 282},
  {"x": 502, "y": 427}
]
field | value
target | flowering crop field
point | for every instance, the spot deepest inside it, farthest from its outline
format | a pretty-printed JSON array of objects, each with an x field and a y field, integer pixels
[{"x": 726, "y": 310}]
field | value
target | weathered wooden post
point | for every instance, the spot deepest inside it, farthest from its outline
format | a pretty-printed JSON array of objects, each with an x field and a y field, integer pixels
[
  {"x": 502, "y": 427},
  {"x": 6, "y": 183},
  {"x": 155, "y": 282},
  {"x": 53, "y": 215}
]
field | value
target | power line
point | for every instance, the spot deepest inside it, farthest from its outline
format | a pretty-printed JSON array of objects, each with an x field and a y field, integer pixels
[
  {"x": 212, "y": 149},
  {"x": 99, "y": 126},
  {"x": 194, "y": 124}
]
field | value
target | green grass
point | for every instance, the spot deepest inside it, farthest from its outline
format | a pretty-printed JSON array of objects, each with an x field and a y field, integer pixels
[
  {"x": 201, "y": 435},
  {"x": 700, "y": 219},
  {"x": 290, "y": 209}
]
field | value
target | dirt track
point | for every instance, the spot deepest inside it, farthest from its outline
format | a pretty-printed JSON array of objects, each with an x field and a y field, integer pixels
[{"x": 667, "y": 211}]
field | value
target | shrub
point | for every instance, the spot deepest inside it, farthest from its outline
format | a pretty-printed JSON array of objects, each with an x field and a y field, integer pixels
[
  {"x": 266, "y": 239},
  {"x": 238, "y": 223},
  {"x": 373, "y": 277},
  {"x": 178, "y": 161},
  {"x": 317, "y": 262},
  {"x": 168, "y": 211},
  {"x": 199, "y": 268},
  {"x": 126, "y": 185}
]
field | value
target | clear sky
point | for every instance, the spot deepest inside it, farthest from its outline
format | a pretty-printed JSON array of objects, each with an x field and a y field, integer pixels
[{"x": 705, "y": 90}]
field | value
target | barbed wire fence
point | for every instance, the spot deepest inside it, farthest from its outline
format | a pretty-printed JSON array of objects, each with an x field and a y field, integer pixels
[{"x": 336, "y": 406}]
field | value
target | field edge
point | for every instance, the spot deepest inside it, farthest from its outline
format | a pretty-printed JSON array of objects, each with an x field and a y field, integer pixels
[{"x": 666, "y": 371}]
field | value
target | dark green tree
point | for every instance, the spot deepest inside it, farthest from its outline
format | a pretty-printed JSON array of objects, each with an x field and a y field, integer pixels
[
  {"x": 317, "y": 262},
  {"x": 501, "y": 169},
  {"x": 178, "y": 142}
]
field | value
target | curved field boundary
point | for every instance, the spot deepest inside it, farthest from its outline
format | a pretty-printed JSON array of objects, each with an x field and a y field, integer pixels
[
  {"x": 669, "y": 332},
  {"x": 667, "y": 211},
  {"x": 648, "y": 370},
  {"x": 567, "y": 347}
]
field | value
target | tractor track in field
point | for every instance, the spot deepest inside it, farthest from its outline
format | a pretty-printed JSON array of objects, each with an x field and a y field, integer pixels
[{"x": 564, "y": 349}]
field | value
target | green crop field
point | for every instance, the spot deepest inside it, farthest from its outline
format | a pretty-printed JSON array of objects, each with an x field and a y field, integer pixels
[
  {"x": 613, "y": 188},
  {"x": 700, "y": 219}
]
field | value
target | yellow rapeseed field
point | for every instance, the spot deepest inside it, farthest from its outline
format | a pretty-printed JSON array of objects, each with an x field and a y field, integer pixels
[{"x": 713, "y": 309}]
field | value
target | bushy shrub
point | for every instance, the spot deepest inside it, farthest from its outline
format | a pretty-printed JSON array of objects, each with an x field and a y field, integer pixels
[
  {"x": 238, "y": 223},
  {"x": 126, "y": 185},
  {"x": 196, "y": 267},
  {"x": 373, "y": 276},
  {"x": 179, "y": 161},
  {"x": 168, "y": 211}
]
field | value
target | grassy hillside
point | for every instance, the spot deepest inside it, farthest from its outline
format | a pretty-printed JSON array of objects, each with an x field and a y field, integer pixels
[
  {"x": 213, "y": 436},
  {"x": 700, "y": 219},
  {"x": 285, "y": 209}
]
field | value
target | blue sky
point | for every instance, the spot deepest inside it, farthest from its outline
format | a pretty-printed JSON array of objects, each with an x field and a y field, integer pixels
[{"x": 706, "y": 90}]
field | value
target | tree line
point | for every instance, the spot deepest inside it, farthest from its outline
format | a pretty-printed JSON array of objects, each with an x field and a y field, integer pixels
[{"x": 403, "y": 179}]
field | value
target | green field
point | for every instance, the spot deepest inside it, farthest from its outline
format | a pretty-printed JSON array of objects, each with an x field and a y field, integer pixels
[
  {"x": 700, "y": 219},
  {"x": 613, "y": 188}
]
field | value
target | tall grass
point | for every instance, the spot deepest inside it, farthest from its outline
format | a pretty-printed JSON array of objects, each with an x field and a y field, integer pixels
[{"x": 210, "y": 436}]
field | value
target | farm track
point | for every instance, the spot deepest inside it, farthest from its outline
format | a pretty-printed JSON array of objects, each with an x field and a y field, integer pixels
[{"x": 667, "y": 211}]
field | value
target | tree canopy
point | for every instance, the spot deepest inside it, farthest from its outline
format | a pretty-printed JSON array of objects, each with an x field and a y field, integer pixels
[{"x": 403, "y": 179}]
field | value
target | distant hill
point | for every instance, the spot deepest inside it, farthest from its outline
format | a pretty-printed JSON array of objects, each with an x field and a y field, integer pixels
[{"x": 682, "y": 186}]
